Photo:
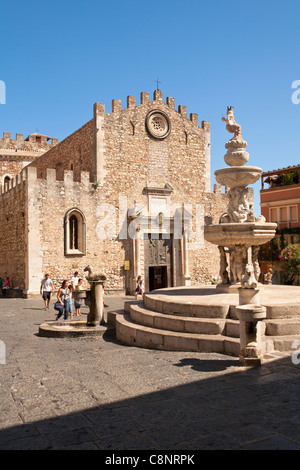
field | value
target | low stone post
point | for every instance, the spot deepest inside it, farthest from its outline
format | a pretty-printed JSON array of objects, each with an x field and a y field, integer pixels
[
  {"x": 95, "y": 298},
  {"x": 95, "y": 303},
  {"x": 250, "y": 314}
]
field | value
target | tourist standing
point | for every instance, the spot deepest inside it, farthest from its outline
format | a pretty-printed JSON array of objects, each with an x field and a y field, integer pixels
[
  {"x": 46, "y": 290},
  {"x": 269, "y": 276},
  {"x": 69, "y": 303},
  {"x": 139, "y": 289},
  {"x": 78, "y": 302},
  {"x": 103, "y": 290},
  {"x": 61, "y": 296},
  {"x": 6, "y": 286},
  {"x": 74, "y": 280}
]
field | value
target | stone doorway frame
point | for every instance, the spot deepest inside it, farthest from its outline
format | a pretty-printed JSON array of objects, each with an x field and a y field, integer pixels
[
  {"x": 180, "y": 268},
  {"x": 168, "y": 263}
]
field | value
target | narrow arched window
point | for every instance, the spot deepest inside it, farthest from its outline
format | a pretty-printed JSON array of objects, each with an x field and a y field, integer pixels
[
  {"x": 74, "y": 228},
  {"x": 6, "y": 180}
]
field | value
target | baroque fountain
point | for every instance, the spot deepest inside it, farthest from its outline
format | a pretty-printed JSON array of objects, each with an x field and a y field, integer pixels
[{"x": 239, "y": 235}]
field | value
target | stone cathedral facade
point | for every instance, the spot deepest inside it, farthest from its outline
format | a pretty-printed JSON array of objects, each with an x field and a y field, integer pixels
[{"x": 127, "y": 194}]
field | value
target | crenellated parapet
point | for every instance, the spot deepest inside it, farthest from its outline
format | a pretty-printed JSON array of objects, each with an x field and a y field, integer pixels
[
  {"x": 30, "y": 175},
  {"x": 145, "y": 100},
  {"x": 33, "y": 143}
]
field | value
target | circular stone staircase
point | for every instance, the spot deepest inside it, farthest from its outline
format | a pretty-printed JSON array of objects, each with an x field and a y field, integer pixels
[{"x": 200, "y": 319}]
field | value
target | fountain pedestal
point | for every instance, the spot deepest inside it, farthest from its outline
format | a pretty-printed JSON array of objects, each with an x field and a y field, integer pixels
[
  {"x": 94, "y": 301},
  {"x": 250, "y": 317},
  {"x": 95, "y": 298},
  {"x": 239, "y": 235}
]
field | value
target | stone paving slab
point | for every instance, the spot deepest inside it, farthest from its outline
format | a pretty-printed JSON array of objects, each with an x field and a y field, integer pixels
[{"x": 97, "y": 394}]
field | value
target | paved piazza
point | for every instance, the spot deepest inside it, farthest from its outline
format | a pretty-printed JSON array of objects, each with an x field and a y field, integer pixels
[{"x": 94, "y": 393}]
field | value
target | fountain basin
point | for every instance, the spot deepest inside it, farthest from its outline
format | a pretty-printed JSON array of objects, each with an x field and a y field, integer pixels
[
  {"x": 238, "y": 176},
  {"x": 80, "y": 294},
  {"x": 247, "y": 233},
  {"x": 69, "y": 329}
]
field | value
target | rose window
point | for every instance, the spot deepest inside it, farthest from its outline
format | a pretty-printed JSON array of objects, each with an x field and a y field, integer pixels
[{"x": 158, "y": 124}]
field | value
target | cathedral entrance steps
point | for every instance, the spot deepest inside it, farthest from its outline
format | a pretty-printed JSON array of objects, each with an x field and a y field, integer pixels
[
  {"x": 146, "y": 317},
  {"x": 200, "y": 319},
  {"x": 190, "y": 307},
  {"x": 281, "y": 302},
  {"x": 134, "y": 334},
  {"x": 129, "y": 332}
]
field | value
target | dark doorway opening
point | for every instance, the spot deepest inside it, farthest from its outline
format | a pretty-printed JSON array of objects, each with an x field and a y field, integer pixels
[{"x": 158, "y": 277}]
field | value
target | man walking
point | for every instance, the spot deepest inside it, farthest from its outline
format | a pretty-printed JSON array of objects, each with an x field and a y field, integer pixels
[{"x": 46, "y": 290}]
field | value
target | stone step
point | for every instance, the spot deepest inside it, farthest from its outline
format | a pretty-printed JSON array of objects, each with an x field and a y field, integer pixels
[
  {"x": 134, "y": 334},
  {"x": 185, "y": 308},
  {"x": 286, "y": 343},
  {"x": 290, "y": 310},
  {"x": 146, "y": 317},
  {"x": 232, "y": 328},
  {"x": 282, "y": 327}
]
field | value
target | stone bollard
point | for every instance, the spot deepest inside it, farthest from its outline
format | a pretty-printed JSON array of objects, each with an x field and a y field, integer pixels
[
  {"x": 95, "y": 298},
  {"x": 250, "y": 317},
  {"x": 94, "y": 301}
]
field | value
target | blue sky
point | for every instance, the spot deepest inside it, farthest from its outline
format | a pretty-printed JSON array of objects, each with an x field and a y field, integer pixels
[{"x": 59, "y": 57}]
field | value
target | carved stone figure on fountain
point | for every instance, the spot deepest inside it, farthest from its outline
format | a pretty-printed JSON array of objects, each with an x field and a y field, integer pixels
[
  {"x": 239, "y": 208},
  {"x": 255, "y": 262},
  {"x": 94, "y": 276},
  {"x": 231, "y": 125},
  {"x": 223, "y": 266},
  {"x": 248, "y": 280},
  {"x": 236, "y": 154},
  {"x": 237, "y": 263}
]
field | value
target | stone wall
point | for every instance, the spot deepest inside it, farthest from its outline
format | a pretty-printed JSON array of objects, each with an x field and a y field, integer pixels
[
  {"x": 74, "y": 153},
  {"x": 50, "y": 200},
  {"x": 12, "y": 166},
  {"x": 13, "y": 233},
  {"x": 133, "y": 160},
  {"x": 205, "y": 261}
]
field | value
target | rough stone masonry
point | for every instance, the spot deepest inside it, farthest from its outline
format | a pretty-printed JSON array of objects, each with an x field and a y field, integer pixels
[{"x": 103, "y": 194}]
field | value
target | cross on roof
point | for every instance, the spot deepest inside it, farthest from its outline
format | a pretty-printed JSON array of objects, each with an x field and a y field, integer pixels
[{"x": 157, "y": 82}]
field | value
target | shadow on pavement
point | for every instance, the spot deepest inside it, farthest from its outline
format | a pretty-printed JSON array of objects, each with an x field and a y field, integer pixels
[
  {"x": 206, "y": 365},
  {"x": 246, "y": 409}
]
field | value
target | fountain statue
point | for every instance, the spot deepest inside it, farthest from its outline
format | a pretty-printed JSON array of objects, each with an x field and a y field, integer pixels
[{"x": 238, "y": 236}]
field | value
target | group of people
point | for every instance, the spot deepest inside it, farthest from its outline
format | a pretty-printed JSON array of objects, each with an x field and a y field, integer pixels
[{"x": 64, "y": 303}]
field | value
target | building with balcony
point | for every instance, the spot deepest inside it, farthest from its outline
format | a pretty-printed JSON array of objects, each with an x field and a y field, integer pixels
[{"x": 280, "y": 203}]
